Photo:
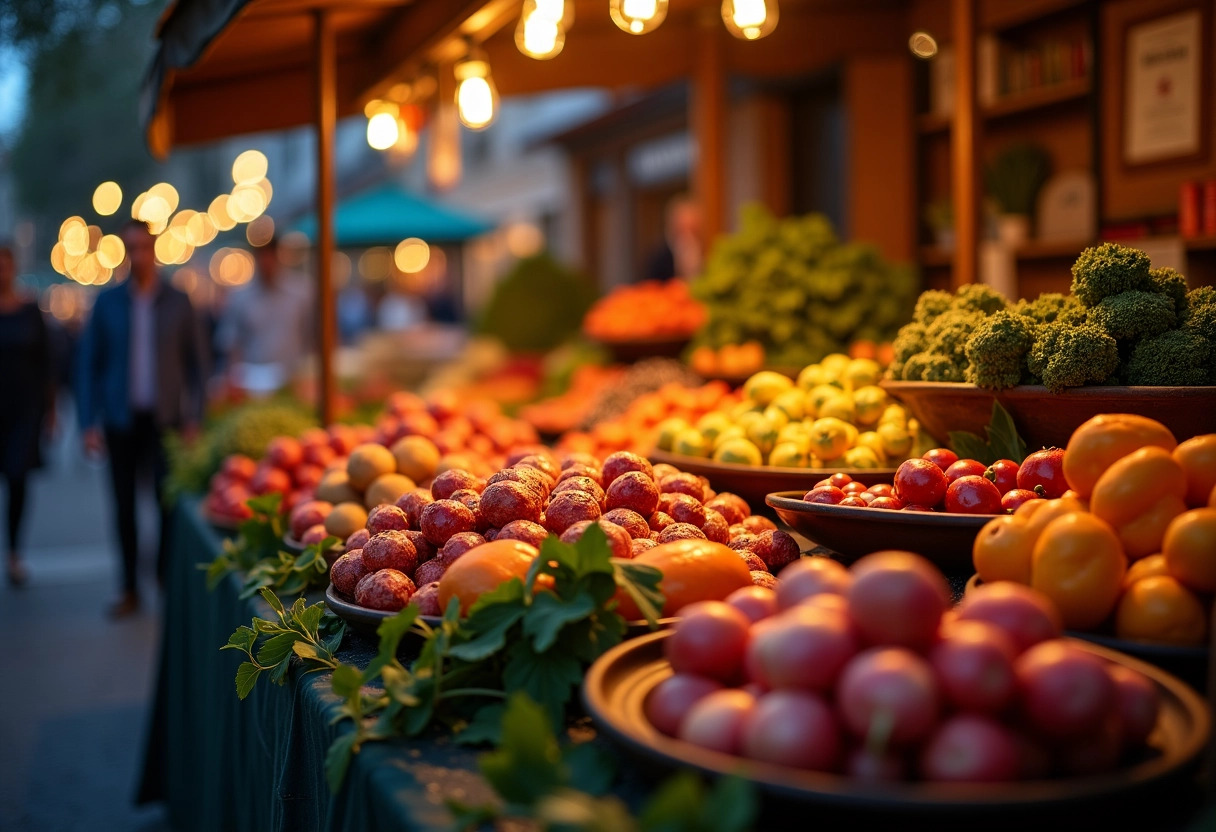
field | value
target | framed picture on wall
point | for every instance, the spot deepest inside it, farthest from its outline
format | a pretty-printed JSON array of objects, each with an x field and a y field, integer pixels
[{"x": 1164, "y": 112}]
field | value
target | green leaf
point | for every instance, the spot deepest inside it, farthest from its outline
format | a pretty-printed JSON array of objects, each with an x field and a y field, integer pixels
[
  {"x": 310, "y": 620},
  {"x": 304, "y": 650},
  {"x": 266, "y": 505},
  {"x": 466, "y": 818},
  {"x": 391, "y": 631},
  {"x": 591, "y": 768},
  {"x": 549, "y": 678},
  {"x": 485, "y": 727},
  {"x": 276, "y": 648},
  {"x": 1003, "y": 435},
  {"x": 337, "y": 759},
  {"x": 671, "y": 807},
  {"x": 528, "y": 764},
  {"x": 217, "y": 569},
  {"x": 732, "y": 806},
  {"x": 242, "y": 639},
  {"x": 486, "y": 627},
  {"x": 969, "y": 446},
  {"x": 399, "y": 684},
  {"x": 549, "y": 613},
  {"x": 246, "y": 675},
  {"x": 347, "y": 680},
  {"x": 273, "y": 600},
  {"x": 641, "y": 582}
]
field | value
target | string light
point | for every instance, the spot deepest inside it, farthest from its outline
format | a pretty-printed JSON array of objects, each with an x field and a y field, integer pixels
[
  {"x": 107, "y": 198},
  {"x": 382, "y": 130},
  {"x": 750, "y": 19},
  {"x": 476, "y": 96},
  {"x": 637, "y": 17},
  {"x": 541, "y": 32}
]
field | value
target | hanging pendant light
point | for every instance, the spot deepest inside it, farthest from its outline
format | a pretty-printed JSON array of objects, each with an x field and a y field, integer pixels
[
  {"x": 476, "y": 96},
  {"x": 541, "y": 32},
  {"x": 637, "y": 17},
  {"x": 750, "y": 19}
]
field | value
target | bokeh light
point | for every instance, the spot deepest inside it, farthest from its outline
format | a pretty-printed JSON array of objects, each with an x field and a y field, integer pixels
[
  {"x": 166, "y": 192},
  {"x": 376, "y": 263},
  {"x": 411, "y": 255},
  {"x": 111, "y": 251},
  {"x": 260, "y": 231},
  {"x": 218, "y": 211},
  {"x": 107, "y": 198},
  {"x": 249, "y": 167}
]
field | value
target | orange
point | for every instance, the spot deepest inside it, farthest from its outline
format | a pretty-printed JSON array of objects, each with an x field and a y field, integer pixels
[
  {"x": 1079, "y": 564},
  {"x": 1103, "y": 440},
  {"x": 1138, "y": 496},
  {"x": 693, "y": 570},
  {"x": 1145, "y": 568},
  {"x": 1002, "y": 550},
  {"x": 1159, "y": 608},
  {"x": 1189, "y": 549},
  {"x": 1197, "y": 456},
  {"x": 482, "y": 569}
]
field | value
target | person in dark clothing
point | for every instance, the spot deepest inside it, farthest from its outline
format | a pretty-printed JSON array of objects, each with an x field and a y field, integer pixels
[
  {"x": 28, "y": 387},
  {"x": 142, "y": 372},
  {"x": 679, "y": 255}
]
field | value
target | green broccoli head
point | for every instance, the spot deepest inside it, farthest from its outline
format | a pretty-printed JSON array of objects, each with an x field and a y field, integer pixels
[
  {"x": 1177, "y": 358},
  {"x": 1109, "y": 269},
  {"x": 928, "y": 366},
  {"x": 930, "y": 304},
  {"x": 996, "y": 351},
  {"x": 1134, "y": 314},
  {"x": 1198, "y": 298},
  {"x": 1166, "y": 281},
  {"x": 976, "y": 297},
  {"x": 1066, "y": 356},
  {"x": 1051, "y": 306},
  {"x": 908, "y": 341},
  {"x": 949, "y": 333}
]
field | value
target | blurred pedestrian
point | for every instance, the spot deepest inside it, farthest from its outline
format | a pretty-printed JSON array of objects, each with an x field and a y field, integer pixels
[
  {"x": 680, "y": 253},
  {"x": 142, "y": 372},
  {"x": 27, "y": 385},
  {"x": 266, "y": 329}
]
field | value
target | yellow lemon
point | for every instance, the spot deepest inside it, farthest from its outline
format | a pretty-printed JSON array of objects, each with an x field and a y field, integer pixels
[
  {"x": 893, "y": 413},
  {"x": 690, "y": 442},
  {"x": 922, "y": 443},
  {"x": 765, "y": 386},
  {"x": 745, "y": 406},
  {"x": 763, "y": 434},
  {"x": 896, "y": 441},
  {"x": 862, "y": 372},
  {"x": 812, "y": 376},
  {"x": 798, "y": 433},
  {"x": 835, "y": 464},
  {"x": 861, "y": 457},
  {"x": 838, "y": 407},
  {"x": 738, "y": 452},
  {"x": 712, "y": 424},
  {"x": 732, "y": 432},
  {"x": 829, "y": 438},
  {"x": 853, "y": 432},
  {"x": 870, "y": 439},
  {"x": 869, "y": 401},
  {"x": 792, "y": 403},
  {"x": 818, "y": 395},
  {"x": 668, "y": 430},
  {"x": 835, "y": 366},
  {"x": 776, "y": 416},
  {"x": 788, "y": 455}
]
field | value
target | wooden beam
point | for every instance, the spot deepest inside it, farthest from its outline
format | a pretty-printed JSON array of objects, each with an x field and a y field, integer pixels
[
  {"x": 708, "y": 119},
  {"x": 965, "y": 140},
  {"x": 326, "y": 115}
]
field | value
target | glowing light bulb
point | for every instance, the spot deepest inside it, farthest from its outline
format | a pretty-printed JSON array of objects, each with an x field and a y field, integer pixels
[
  {"x": 249, "y": 167},
  {"x": 107, "y": 198},
  {"x": 476, "y": 97},
  {"x": 637, "y": 17},
  {"x": 560, "y": 12},
  {"x": 539, "y": 37},
  {"x": 750, "y": 19},
  {"x": 382, "y": 130}
]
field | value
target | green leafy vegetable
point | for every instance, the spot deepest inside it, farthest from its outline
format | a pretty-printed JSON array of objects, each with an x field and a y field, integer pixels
[{"x": 1003, "y": 440}]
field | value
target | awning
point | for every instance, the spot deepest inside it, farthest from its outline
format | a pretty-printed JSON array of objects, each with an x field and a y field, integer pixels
[{"x": 388, "y": 214}]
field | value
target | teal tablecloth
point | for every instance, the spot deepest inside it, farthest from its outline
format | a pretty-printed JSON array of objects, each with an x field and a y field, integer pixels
[{"x": 223, "y": 764}]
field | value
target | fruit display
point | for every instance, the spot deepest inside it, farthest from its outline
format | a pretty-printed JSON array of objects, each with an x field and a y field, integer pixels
[
  {"x": 536, "y": 306},
  {"x": 564, "y": 412},
  {"x": 1130, "y": 548},
  {"x": 833, "y": 416},
  {"x": 792, "y": 286},
  {"x": 643, "y": 311},
  {"x": 1124, "y": 323},
  {"x": 622, "y": 422},
  {"x": 466, "y": 533},
  {"x": 728, "y": 360},
  {"x": 866, "y": 672}
]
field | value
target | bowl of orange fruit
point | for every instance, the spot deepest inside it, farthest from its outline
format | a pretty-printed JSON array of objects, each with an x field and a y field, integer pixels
[{"x": 646, "y": 319}]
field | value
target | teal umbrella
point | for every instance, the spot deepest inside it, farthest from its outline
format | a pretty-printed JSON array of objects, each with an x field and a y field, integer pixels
[{"x": 388, "y": 214}]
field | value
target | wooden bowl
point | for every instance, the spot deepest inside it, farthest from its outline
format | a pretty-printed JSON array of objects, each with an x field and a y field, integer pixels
[
  {"x": 635, "y": 349},
  {"x": 945, "y": 539},
  {"x": 755, "y": 482},
  {"x": 617, "y": 684},
  {"x": 1046, "y": 419}
]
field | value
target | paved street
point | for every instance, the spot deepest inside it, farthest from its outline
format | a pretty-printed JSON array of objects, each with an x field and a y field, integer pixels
[{"x": 74, "y": 685}]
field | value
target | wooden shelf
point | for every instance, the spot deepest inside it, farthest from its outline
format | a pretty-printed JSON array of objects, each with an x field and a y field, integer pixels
[
  {"x": 994, "y": 17},
  {"x": 936, "y": 257},
  {"x": 1025, "y": 102}
]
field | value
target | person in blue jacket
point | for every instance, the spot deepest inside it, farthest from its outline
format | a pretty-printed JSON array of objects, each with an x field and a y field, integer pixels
[{"x": 142, "y": 373}]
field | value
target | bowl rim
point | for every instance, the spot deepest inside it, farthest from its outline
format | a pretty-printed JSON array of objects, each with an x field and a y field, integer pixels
[
  {"x": 673, "y": 458},
  {"x": 1038, "y": 390},
  {"x": 783, "y": 501}
]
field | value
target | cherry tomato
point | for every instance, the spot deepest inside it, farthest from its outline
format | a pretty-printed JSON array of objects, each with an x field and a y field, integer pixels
[
  {"x": 941, "y": 457},
  {"x": 853, "y": 501},
  {"x": 868, "y": 497},
  {"x": 1044, "y": 469},
  {"x": 824, "y": 494},
  {"x": 965, "y": 468},
  {"x": 839, "y": 479},
  {"x": 854, "y": 487},
  {"x": 1014, "y": 498},
  {"x": 893, "y": 503},
  {"x": 823, "y": 483},
  {"x": 920, "y": 481},
  {"x": 881, "y": 490},
  {"x": 1003, "y": 474},
  {"x": 973, "y": 495}
]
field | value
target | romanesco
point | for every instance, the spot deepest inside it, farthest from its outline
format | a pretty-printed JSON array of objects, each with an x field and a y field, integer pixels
[
  {"x": 930, "y": 304},
  {"x": 1109, "y": 269},
  {"x": 1066, "y": 356},
  {"x": 1174, "y": 358},
  {"x": 976, "y": 297},
  {"x": 1134, "y": 314},
  {"x": 1166, "y": 281},
  {"x": 996, "y": 351}
]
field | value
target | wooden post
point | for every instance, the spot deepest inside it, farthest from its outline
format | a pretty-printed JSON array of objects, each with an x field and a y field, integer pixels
[
  {"x": 965, "y": 139},
  {"x": 708, "y": 121},
  {"x": 326, "y": 65}
]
